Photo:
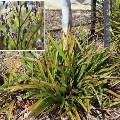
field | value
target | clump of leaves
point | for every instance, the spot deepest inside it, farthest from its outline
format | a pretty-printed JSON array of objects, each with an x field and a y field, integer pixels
[
  {"x": 22, "y": 25},
  {"x": 70, "y": 80}
]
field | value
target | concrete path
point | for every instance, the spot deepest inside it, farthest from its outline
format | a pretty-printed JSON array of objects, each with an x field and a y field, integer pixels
[{"x": 75, "y": 4}]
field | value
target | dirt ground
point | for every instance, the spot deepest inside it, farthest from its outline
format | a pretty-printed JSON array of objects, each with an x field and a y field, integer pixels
[{"x": 53, "y": 23}]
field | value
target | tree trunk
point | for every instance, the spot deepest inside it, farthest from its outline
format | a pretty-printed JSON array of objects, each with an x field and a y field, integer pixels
[
  {"x": 93, "y": 16},
  {"x": 66, "y": 20},
  {"x": 67, "y": 15},
  {"x": 107, "y": 27}
]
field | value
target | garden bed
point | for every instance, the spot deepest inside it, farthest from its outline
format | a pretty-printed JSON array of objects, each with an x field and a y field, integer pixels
[{"x": 20, "y": 109}]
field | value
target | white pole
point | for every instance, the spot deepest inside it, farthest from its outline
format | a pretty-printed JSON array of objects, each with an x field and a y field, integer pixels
[{"x": 66, "y": 15}]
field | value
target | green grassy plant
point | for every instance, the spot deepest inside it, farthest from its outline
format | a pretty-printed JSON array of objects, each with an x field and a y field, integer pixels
[{"x": 70, "y": 80}]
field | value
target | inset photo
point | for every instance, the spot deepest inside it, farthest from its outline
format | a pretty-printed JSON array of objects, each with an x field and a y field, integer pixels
[{"x": 22, "y": 25}]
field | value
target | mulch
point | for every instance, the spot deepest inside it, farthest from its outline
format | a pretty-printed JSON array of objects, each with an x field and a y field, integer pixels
[{"x": 53, "y": 23}]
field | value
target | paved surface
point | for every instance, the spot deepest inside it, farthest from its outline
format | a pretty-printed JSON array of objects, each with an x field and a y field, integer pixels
[{"x": 75, "y": 4}]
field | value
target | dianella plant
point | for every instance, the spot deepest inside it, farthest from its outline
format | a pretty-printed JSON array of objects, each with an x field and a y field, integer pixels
[
  {"x": 22, "y": 25},
  {"x": 72, "y": 81}
]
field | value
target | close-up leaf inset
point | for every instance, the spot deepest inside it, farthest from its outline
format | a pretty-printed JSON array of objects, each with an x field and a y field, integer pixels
[{"x": 21, "y": 25}]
